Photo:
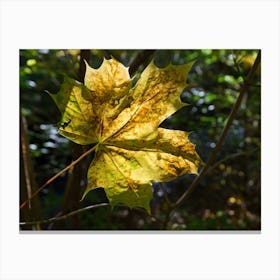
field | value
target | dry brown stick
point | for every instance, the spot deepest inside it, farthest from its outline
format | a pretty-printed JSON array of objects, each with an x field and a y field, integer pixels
[
  {"x": 58, "y": 174},
  {"x": 75, "y": 212}
]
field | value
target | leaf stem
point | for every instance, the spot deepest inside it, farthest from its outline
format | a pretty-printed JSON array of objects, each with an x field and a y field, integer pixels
[
  {"x": 212, "y": 156},
  {"x": 58, "y": 174}
]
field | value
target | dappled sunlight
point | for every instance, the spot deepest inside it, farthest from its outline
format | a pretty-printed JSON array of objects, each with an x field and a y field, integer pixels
[{"x": 228, "y": 195}]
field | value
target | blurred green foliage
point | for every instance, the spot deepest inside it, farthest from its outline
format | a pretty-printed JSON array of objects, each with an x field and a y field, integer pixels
[{"x": 228, "y": 197}]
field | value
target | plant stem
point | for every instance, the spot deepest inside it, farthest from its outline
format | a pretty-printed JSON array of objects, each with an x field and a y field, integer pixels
[
  {"x": 58, "y": 174},
  {"x": 75, "y": 212},
  {"x": 212, "y": 156}
]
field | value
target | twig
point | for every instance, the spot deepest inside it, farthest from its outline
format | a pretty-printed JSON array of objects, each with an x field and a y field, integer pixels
[
  {"x": 75, "y": 212},
  {"x": 141, "y": 58},
  {"x": 227, "y": 158},
  {"x": 27, "y": 180},
  {"x": 212, "y": 156},
  {"x": 58, "y": 174}
]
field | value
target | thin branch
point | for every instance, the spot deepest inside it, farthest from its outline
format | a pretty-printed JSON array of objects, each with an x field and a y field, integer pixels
[
  {"x": 57, "y": 218},
  {"x": 141, "y": 58},
  {"x": 58, "y": 174},
  {"x": 212, "y": 156},
  {"x": 27, "y": 180},
  {"x": 229, "y": 157},
  {"x": 75, "y": 212},
  {"x": 173, "y": 205},
  {"x": 223, "y": 134}
]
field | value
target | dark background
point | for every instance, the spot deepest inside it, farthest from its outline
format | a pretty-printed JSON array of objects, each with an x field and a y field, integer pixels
[{"x": 228, "y": 196}]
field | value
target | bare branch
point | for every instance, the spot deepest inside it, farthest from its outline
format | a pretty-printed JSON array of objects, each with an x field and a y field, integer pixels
[
  {"x": 58, "y": 174},
  {"x": 141, "y": 58},
  {"x": 212, "y": 156},
  {"x": 57, "y": 218}
]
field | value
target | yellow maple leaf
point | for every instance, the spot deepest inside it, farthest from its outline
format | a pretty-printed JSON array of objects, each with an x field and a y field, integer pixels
[{"x": 132, "y": 150}]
